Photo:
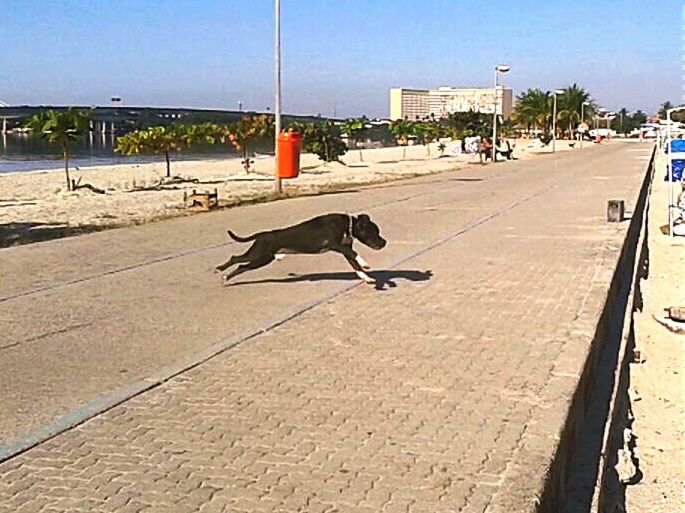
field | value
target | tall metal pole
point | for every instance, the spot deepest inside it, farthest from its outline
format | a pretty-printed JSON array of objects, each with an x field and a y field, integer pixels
[
  {"x": 621, "y": 128},
  {"x": 494, "y": 123},
  {"x": 554, "y": 124},
  {"x": 277, "y": 77},
  {"x": 582, "y": 120},
  {"x": 669, "y": 166}
]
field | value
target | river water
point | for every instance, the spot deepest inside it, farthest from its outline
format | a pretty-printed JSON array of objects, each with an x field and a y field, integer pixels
[{"x": 23, "y": 152}]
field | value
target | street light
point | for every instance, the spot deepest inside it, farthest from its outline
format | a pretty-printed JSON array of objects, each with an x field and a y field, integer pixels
[
  {"x": 610, "y": 115},
  {"x": 598, "y": 115},
  {"x": 554, "y": 118},
  {"x": 277, "y": 78},
  {"x": 502, "y": 68},
  {"x": 582, "y": 118}
]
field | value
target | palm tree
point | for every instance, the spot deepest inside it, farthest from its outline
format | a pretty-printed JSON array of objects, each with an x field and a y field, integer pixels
[
  {"x": 534, "y": 109},
  {"x": 570, "y": 107},
  {"x": 61, "y": 128},
  {"x": 156, "y": 140},
  {"x": 624, "y": 121},
  {"x": 664, "y": 107}
]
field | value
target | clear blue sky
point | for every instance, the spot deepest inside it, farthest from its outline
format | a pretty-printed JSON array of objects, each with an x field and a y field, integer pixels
[{"x": 336, "y": 54}]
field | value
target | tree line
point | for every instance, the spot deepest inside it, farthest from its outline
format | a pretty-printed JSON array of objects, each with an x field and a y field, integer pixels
[{"x": 331, "y": 140}]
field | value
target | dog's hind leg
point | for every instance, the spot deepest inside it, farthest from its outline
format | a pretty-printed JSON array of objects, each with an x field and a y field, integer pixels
[
  {"x": 250, "y": 255},
  {"x": 256, "y": 264},
  {"x": 225, "y": 265}
]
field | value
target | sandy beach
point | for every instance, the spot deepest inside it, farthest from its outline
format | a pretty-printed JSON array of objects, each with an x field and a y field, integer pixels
[{"x": 30, "y": 201}]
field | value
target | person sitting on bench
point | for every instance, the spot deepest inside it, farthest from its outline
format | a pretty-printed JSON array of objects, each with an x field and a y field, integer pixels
[
  {"x": 485, "y": 150},
  {"x": 505, "y": 149}
]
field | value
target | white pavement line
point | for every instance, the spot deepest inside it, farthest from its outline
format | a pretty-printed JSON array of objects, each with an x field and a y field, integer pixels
[{"x": 104, "y": 403}]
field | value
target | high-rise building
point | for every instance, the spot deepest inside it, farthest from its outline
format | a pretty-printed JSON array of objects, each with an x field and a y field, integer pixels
[
  {"x": 419, "y": 103},
  {"x": 408, "y": 103}
]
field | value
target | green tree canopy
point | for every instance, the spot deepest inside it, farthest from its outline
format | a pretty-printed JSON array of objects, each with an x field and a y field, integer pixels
[
  {"x": 534, "y": 109},
  {"x": 466, "y": 124},
  {"x": 570, "y": 107},
  {"x": 427, "y": 131},
  {"x": 157, "y": 140},
  {"x": 353, "y": 129},
  {"x": 248, "y": 131},
  {"x": 60, "y": 128},
  {"x": 663, "y": 108},
  {"x": 322, "y": 139},
  {"x": 402, "y": 130}
]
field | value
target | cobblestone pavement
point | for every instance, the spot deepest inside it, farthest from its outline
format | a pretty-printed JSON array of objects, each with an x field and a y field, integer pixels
[{"x": 413, "y": 399}]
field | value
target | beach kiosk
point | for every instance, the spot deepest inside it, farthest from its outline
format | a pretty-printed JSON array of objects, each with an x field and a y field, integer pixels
[{"x": 675, "y": 163}]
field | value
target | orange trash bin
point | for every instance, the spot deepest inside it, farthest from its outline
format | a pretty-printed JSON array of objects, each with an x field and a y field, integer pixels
[{"x": 289, "y": 146}]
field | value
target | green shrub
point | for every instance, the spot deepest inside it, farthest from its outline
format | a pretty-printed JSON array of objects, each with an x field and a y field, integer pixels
[{"x": 322, "y": 139}]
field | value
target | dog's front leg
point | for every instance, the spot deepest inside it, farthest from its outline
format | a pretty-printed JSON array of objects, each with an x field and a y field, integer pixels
[
  {"x": 353, "y": 258},
  {"x": 362, "y": 262}
]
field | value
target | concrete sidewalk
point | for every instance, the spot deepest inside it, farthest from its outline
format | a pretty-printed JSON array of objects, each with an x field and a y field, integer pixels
[{"x": 422, "y": 397}]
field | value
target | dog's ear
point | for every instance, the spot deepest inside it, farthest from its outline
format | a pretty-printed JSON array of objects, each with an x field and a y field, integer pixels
[{"x": 364, "y": 218}]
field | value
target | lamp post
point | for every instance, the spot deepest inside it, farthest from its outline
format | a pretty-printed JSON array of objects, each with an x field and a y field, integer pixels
[
  {"x": 610, "y": 116},
  {"x": 501, "y": 68},
  {"x": 554, "y": 119},
  {"x": 598, "y": 115},
  {"x": 582, "y": 119},
  {"x": 277, "y": 78}
]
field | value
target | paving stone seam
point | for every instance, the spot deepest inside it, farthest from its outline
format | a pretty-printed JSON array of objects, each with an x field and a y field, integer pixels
[{"x": 104, "y": 403}]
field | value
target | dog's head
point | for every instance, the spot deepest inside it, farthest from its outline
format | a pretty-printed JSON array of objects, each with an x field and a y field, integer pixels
[{"x": 367, "y": 232}]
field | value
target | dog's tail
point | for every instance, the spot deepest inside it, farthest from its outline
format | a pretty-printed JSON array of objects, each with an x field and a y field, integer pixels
[{"x": 240, "y": 239}]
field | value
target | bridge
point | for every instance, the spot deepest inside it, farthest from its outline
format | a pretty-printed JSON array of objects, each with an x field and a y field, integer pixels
[{"x": 126, "y": 118}]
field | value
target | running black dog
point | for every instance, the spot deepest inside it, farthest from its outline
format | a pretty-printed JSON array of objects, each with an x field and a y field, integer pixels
[{"x": 330, "y": 232}]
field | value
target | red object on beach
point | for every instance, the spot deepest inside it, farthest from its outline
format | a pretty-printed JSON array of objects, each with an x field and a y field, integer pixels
[
  {"x": 289, "y": 147},
  {"x": 599, "y": 138}
]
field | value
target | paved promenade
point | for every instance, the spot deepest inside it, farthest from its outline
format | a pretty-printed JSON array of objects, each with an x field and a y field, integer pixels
[{"x": 444, "y": 391}]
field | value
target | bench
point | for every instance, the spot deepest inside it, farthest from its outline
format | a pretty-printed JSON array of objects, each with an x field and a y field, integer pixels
[{"x": 201, "y": 201}]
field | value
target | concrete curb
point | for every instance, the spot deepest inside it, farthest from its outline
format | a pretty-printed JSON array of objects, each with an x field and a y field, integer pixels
[
  {"x": 536, "y": 481},
  {"x": 619, "y": 407}
]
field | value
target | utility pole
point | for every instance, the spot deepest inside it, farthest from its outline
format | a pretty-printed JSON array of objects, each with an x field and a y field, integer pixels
[{"x": 277, "y": 77}]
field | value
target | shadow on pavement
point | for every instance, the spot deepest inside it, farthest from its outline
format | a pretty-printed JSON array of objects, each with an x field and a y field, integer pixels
[
  {"x": 13, "y": 234},
  {"x": 383, "y": 278}
]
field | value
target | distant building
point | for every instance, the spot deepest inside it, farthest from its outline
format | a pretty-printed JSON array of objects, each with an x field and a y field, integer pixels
[
  {"x": 419, "y": 103},
  {"x": 408, "y": 103}
]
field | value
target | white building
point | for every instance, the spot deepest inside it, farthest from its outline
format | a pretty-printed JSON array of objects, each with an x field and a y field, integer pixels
[{"x": 419, "y": 103}]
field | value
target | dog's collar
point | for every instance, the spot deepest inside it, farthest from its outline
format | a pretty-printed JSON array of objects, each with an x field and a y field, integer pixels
[{"x": 350, "y": 227}]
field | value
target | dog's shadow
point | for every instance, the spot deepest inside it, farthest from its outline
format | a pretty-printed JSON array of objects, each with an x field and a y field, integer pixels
[{"x": 383, "y": 278}]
